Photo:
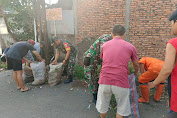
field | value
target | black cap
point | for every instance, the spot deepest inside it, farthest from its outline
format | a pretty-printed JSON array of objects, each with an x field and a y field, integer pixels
[{"x": 173, "y": 16}]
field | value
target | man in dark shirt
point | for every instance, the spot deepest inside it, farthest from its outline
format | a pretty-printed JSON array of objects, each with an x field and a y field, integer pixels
[{"x": 15, "y": 55}]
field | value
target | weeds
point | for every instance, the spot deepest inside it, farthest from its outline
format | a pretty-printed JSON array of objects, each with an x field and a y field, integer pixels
[
  {"x": 79, "y": 72},
  {"x": 3, "y": 65}
]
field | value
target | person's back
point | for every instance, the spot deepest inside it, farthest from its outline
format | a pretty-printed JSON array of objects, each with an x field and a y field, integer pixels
[
  {"x": 37, "y": 47},
  {"x": 116, "y": 55},
  {"x": 19, "y": 50},
  {"x": 152, "y": 63},
  {"x": 66, "y": 45},
  {"x": 93, "y": 53}
]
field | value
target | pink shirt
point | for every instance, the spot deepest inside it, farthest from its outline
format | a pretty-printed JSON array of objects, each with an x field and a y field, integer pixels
[{"x": 116, "y": 54}]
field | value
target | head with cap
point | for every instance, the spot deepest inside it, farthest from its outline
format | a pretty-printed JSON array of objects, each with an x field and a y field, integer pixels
[
  {"x": 55, "y": 40},
  {"x": 32, "y": 42},
  {"x": 118, "y": 31},
  {"x": 42, "y": 44},
  {"x": 173, "y": 19}
]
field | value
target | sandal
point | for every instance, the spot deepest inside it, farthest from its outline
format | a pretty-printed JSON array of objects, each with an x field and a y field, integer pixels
[
  {"x": 18, "y": 88},
  {"x": 25, "y": 90}
]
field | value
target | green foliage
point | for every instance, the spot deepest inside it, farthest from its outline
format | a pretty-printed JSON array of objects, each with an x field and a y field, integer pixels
[
  {"x": 79, "y": 71},
  {"x": 3, "y": 64},
  {"x": 19, "y": 18},
  {"x": 130, "y": 68}
]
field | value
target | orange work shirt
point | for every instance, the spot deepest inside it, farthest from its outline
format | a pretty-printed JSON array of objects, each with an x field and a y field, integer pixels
[{"x": 152, "y": 64}]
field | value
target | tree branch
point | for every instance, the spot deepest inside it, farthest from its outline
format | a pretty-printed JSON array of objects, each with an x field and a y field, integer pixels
[{"x": 8, "y": 29}]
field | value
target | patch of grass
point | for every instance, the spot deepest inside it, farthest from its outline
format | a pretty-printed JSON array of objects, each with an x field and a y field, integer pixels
[
  {"x": 3, "y": 64},
  {"x": 79, "y": 72},
  {"x": 131, "y": 69}
]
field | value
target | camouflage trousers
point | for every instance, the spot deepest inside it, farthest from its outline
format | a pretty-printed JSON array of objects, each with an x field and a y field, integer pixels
[
  {"x": 91, "y": 75},
  {"x": 69, "y": 66}
]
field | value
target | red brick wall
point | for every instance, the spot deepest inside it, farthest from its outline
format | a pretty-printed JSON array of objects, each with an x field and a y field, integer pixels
[
  {"x": 97, "y": 17},
  {"x": 149, "y": 25}
]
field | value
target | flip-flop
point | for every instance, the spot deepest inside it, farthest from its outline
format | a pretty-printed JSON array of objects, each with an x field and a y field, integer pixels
[
  {"x": 90, "y": 101},
  {"x": 25, "y": 90},
  {"x": 18, "y": 88}
]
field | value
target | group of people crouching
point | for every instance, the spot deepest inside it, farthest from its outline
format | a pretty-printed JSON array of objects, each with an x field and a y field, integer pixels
[
  {"x": 113, "y": 53},
  {"x": 20, "y": 52}
]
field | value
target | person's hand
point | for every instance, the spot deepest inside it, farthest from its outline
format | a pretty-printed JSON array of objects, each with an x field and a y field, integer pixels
[
  {"x": 150, "y": 85},
  {"x": 54, "y": 62},
  {"x": 29, "y": 61},
  {"x": 136, "y": 74},
  {"x": 43, "y": 60},
  {"x": 64, "y": 61}
]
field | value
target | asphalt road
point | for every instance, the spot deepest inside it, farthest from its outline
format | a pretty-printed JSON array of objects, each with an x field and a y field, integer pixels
[
  {"x": 44, "y": 101},
  {"x": 61, "y": 101}
]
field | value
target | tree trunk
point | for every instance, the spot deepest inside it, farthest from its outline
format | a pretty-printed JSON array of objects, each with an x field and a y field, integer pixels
[
  {"x": 2, "y": 43},
  {"x": 8, "y": 29},
  {"x": 44, "y": 27},
  {"x": 35, "y": 17}
]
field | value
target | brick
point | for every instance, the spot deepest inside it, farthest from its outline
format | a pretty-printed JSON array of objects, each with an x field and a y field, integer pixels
[{"x": 149, "y": 26}]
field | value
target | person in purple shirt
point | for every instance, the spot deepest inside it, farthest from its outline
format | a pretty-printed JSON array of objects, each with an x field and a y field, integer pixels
[{"x": 116, "y": 54}]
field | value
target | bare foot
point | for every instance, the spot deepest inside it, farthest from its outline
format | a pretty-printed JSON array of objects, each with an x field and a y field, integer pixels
[{"x": 24, "y": 89}]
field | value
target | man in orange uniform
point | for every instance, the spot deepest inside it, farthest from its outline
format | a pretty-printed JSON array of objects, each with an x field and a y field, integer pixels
[{"x": 152, "y": 66}]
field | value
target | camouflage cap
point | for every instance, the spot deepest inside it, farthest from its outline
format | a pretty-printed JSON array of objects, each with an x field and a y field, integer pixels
[{"x": 52, "y": 40}]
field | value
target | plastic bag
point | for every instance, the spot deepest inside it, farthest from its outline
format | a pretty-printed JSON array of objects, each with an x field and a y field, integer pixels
[
  {"x": 133, "y": 98},
  {"x": 55, "y": 74},
  {"x": 27, "y": 71},
  {"x": 27, "y": 78},
  {"x": 27, "y": 74},
  {"x": 38, "y": 69}
]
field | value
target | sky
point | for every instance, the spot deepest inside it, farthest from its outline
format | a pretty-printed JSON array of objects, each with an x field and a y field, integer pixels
[{"x": 51, "y": 1}]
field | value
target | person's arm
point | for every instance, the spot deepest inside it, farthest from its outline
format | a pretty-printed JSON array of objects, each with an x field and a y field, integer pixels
[
  {"x": 141, "y": 68},
  {"x": 101, "y": 55},
  {"x": 56, "y": 57},
  {"x": 136, "y": 67},
  {"x": 135, "y": 61},
  {"x": 26, "y": 60},
  {"x": 37, "y": 55},
  {"x": 168, "y": 66},
  {"x": 67, "y": 56}
]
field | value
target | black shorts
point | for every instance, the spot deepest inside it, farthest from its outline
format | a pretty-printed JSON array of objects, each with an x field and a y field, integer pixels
[{"x": 14, "y": 64}]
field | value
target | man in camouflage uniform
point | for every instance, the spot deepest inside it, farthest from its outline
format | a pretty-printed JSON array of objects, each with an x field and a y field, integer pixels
[
  {"x": 91, "y": 62},
  {"x": 70, "y": 58}
]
